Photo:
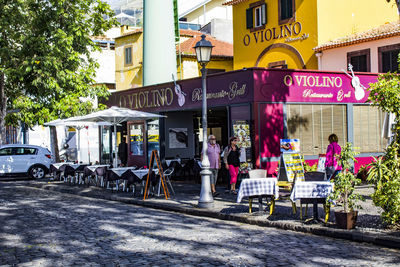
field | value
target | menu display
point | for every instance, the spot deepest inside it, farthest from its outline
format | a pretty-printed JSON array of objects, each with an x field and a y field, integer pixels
[{"x": 291, "y": 162}]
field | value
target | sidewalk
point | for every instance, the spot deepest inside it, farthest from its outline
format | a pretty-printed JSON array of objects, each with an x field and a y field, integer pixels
[{"x": 369, "y": 227}]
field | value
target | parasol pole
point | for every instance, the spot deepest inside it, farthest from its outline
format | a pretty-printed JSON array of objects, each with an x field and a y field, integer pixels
[{"x": 115, "y": 165}]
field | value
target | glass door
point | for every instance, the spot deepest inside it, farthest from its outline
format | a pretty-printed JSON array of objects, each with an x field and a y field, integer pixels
[{"x": 137, "y": 141}]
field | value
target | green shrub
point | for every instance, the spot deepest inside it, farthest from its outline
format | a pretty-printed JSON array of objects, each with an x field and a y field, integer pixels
[
  {"x": 384, "y": 174},
  {"x": 345, "y": 181}
]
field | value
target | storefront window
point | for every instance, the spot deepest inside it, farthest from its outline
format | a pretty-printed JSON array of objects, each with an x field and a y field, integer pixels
[
  {"x": 368, "y": 122},
  {"x": 136, "y": 139},
  {"x": 313, "y": 124}
]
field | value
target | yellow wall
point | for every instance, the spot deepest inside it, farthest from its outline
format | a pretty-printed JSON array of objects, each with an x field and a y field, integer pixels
[
  {"x": 334, "y": 21},
  {"x": 129, "y": 76},
  {"x": 320, "y": 20},
  {"x": 249, "y": 46}
]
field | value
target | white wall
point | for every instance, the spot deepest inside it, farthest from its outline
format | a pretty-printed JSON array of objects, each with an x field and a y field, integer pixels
[{"x": 336, "y": 59}]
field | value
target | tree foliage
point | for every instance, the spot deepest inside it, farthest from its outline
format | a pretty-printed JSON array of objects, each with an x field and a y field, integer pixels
[
  {"x": 45, "y": 57},
  {"x": 345, "y": 181},
  {"x": 385, "y": 171}
]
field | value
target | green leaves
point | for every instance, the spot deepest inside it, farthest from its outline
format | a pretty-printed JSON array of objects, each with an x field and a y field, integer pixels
[
  {"x": 45, "y": 51},
  {"x": 385, "y": 175},
  {"x": 345, "y": 181}
]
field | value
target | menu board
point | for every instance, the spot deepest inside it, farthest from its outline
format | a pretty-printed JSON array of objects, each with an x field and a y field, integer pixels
[
  {"x": 293, "y": 164},
  {"x": 241, "y": 129},
  {"x": 290, "y": 161},
  {"x": 321, "y": 162}
]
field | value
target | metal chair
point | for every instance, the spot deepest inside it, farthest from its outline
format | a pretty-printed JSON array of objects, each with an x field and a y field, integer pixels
[{"x": 167, "y": 175}]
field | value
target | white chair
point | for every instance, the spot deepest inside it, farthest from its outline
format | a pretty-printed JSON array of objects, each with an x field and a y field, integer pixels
[
  {"x": 167, "y": 175},
  {"x": 258, "y": 173}
]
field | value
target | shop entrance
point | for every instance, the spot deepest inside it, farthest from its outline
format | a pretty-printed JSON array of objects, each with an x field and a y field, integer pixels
[{"x": 217, "y": 121}]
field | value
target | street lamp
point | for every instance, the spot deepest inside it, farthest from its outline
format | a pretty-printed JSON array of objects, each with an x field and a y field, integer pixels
[{"x": 203, "y": 52}]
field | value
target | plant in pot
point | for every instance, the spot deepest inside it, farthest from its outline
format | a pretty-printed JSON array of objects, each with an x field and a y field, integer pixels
[{"x": 345, "y": 183}]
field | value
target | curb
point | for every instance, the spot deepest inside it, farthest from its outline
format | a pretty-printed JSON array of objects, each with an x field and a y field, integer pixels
[{"x": 351, "y": 235}]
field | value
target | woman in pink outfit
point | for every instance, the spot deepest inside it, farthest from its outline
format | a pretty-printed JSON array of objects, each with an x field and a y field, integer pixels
[
  {"x": 232, "y": 161},
  {"x": 332, "y": 154}
]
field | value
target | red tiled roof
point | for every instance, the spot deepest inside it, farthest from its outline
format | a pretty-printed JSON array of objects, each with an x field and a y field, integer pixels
[
  {"x": 187, "y": 33},
  {"x": 130, "y": 33},
  {"x": 233, "y": 2},
  {"x": 384, "y": 31},
  {"x": 220, "y": 49}
]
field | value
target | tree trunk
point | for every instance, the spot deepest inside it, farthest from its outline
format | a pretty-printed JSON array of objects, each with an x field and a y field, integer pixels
[
  {"x": 3, "y": 109},
  {"x": 54, "y": 143}
]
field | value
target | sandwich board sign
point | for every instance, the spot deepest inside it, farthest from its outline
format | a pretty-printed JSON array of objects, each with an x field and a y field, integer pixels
[{"x": 290, "y": 163}]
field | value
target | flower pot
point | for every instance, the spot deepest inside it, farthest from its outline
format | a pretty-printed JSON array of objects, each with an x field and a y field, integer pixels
[{"x": 346, "y": 220}]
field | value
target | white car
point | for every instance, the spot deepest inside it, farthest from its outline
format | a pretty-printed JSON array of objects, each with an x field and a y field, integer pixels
[{"x": 25, "y": 159}]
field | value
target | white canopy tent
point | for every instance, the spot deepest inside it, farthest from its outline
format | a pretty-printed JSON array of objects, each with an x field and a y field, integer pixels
[
  {"x": 78, "y": 125},
  {"x": 115, "y": 116}
]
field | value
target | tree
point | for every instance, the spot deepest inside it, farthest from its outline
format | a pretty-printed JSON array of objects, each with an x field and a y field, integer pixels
[
  {"x": 45, "y": 58},
  {"x": 384, "y": 172}
]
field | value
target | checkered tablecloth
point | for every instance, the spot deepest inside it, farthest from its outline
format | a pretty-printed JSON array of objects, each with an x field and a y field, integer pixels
[
  {"x": 94, "y": 167},
  {"x": 143, "y": 172},
  {"x": 257, "y": 187},
  {"x": 311, "y": 190}
]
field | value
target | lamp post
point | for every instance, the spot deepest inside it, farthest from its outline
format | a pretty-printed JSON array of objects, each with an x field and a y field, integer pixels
[{"x": 203, "y": 52}]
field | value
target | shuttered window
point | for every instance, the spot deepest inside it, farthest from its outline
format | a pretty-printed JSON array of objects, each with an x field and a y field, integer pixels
[
  {"x": 256, "y": 15},
  {"x": 313, "y": 124},
  {"x": 368, "y": 123}
]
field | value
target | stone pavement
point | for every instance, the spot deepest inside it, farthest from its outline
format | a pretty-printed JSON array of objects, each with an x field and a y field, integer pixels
[
  {"x": 369, "y": 229},
  {"x": 48, "y": 228}
]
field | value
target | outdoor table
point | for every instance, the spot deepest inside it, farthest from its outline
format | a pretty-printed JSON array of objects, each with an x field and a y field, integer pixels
[
  {"x": 169, "y": 161},
  {"x": 259, "y": 187},
  {"x": 93, "y": 168},
  {"x": 315, "y": 192},
  {"x": 120, "y": 171}
]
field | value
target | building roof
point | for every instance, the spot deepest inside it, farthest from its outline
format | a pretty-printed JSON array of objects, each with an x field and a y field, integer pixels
[
  {"x": 233, "y": 2},
  {"x": 384, "y": 31},
  {"x": 220, "y": 49}
]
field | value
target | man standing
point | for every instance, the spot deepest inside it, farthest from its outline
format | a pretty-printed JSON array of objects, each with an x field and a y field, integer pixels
[
  {"x": 214, "y": 157},
  {"x": 123, "y": 152}
]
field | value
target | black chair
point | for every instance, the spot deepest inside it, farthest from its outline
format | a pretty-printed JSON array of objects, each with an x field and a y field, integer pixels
[
  {"x": 56, "y": 172},
  {"x": 101, "y": 173},
  {"x": 314, "y": 177},
  {"x": 68, "y": 173}
]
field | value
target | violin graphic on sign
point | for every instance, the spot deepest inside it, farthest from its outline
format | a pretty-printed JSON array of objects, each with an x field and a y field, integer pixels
[
  {"x": 178, "y": 91},
  {"x": 355, "y": 82}
]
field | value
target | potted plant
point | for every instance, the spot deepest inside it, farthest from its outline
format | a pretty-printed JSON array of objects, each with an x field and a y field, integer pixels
[{"x": 343, "y": 192}]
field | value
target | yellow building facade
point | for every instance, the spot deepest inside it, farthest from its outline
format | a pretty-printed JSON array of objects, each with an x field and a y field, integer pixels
[
  {"x": 129, "y": 57},
  {"x": 283, "y": 33}
]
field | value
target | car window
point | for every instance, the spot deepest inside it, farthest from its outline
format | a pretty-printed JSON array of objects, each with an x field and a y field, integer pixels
[
  {"x": 7, "y": 151},
  {"x": 30, "y": 151},
  {"x": 25, "y": 151}
]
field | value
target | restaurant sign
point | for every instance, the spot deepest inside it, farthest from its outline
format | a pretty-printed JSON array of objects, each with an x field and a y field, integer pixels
[
  {"x": 221, "y": 90},
  {"x": 303, "y": 86}
]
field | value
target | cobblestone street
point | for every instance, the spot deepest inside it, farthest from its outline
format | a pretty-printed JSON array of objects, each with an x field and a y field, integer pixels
[{"x": 44, "y": 228}]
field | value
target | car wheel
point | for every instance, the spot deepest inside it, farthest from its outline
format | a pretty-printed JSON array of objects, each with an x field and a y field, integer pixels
[{"x": 37, "y": 172}]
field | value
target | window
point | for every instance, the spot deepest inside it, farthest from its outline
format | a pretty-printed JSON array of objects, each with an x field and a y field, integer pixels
[
  {"x": 387, "y": 58},
  {"x": 6, "y": 151},
  {"x": 25, "y": 151},
  {"x": 256, "y": 16},
  {"x": 368, "y": 122},
  {"x": 286, "y": 11},
  {"x": 360, "y": 60},
  {"x": 313, "y": 124},
  {"x": 128, "y": 55},
  {"x": 278, "y": 65}
]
